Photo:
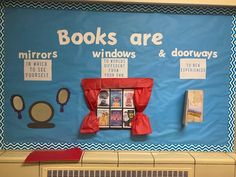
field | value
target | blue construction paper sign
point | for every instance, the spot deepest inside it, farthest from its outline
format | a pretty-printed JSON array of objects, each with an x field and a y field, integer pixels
[{"x": 46, "y": 49}]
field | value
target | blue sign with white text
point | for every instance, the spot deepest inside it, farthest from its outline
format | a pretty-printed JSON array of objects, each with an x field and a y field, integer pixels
[{"x": 48, "y": 52}]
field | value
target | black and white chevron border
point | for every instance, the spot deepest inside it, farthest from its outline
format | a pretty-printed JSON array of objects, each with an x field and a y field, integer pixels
[
  {"x": 1, "y": 76},
  {"x": 232, "y": 85},
  {"x": 114, "y": 146},
  {"x": 146, "y": 8}
]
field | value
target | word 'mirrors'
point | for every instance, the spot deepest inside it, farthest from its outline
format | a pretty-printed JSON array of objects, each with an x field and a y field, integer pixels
[{"x": 102, "y": 38}]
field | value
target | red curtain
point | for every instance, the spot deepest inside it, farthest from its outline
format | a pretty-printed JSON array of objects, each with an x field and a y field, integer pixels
[
  {"x": 90, "y": 123},
  {"x": 140, "y": 124},
  {"x": 142, "y": 91}
]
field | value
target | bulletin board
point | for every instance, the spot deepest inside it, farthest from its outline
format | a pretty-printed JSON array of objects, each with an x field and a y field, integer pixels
[{"x": 49, "y": 46}]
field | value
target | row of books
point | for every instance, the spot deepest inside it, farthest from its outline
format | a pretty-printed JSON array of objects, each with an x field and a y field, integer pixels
[
  {"x": 115, "y": 118},
  {"x": 116, "y": 98},
  {"x": 115, "y": 108}
]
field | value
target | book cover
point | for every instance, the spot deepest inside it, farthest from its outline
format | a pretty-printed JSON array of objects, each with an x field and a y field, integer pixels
[
  {"x": 116, "y": 118},
  {"x": 116, "y": 98},
  {"x": 103, "y": 98},
  {"x": 103, "y": 118},
  {"x": 128, "y": 115},
  {"x": 128, "y": 98},
  {"x": 193, "y": 106}
]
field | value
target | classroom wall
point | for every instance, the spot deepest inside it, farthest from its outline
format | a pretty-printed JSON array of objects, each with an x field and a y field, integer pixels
[{"x": 169, "y": 1}]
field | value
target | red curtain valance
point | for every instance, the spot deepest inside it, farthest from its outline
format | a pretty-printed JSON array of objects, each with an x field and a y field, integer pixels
[{"x": 140, "y": 124}]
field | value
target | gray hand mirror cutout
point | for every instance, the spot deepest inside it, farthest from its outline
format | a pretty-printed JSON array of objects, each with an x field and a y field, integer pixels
[
  {"x": 63, "y": 96},
  {"x": 18, "y": 104}
]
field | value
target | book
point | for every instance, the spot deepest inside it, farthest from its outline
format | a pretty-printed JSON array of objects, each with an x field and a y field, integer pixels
[
  {"x": 103, "y": 98},
  {"x": 128, "y": 115},
  {"x": 128, "y": 101},
  {"x": 116, "y": 118},
  {"x": 103, "y": 118},
  {"x": 193, "y": 106},
  {"x": 116, "y": 98}
]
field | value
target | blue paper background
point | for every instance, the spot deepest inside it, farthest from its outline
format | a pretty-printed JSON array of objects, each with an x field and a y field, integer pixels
[{"x": 36, "y": 30}]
